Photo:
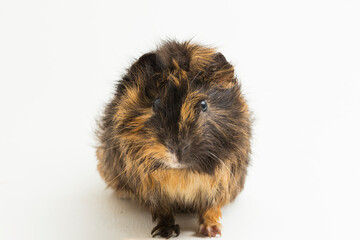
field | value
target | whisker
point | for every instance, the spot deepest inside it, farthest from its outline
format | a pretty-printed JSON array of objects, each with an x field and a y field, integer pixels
[{"x": 226, "y": 167}]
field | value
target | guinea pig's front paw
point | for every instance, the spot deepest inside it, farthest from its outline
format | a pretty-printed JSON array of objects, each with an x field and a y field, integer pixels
[
  {"x": 165, "y": 230},
  {"x": 210, "y": 231}
]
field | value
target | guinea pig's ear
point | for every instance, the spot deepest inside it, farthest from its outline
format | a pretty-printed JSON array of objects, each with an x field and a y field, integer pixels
[
  {"x": 148, "y": 63},
  {"x": 222, "y": 71},
  {"x": 219, "y": 59}
]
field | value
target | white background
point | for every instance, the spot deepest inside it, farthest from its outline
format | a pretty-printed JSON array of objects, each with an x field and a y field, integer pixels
[{"x": 299, "y": 64}]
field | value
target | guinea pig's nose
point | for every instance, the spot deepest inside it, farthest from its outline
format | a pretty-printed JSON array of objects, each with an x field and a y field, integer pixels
[
  {"x": 185, "y": 148},
  {"x": 171, "y": 149},
  {"x": 178, "y": 149}
]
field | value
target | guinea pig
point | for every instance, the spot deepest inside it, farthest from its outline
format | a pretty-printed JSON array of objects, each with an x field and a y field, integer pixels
[{"x": 176, "y": 136}]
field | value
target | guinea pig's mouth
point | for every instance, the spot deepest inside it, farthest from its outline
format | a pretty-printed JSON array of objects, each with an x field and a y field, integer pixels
[{"x": 174, "y": 163}]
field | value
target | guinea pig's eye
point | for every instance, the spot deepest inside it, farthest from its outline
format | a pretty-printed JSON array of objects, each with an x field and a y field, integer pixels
[
  {"x": 156, "y": 103},
  {"x": 203, "y": 105}
]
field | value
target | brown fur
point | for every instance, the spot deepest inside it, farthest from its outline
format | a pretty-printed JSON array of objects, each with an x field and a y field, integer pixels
[{"x": 135, "y": 137}]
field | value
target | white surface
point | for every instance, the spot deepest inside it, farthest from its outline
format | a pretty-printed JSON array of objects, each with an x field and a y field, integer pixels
[{"x": 299, "y": 63}]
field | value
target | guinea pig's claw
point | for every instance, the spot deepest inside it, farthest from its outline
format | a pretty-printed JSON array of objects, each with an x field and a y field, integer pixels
[
  {"x": 166, "y": 231},
  {"x": 210, "y": 231}
]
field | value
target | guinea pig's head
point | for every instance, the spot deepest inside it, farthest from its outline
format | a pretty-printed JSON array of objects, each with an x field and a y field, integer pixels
[{"x": 181, "y": 107}]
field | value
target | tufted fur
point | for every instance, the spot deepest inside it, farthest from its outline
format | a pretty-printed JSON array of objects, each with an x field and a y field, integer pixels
[{"x": 143, "y": 141}]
